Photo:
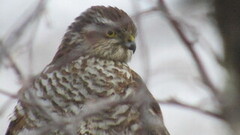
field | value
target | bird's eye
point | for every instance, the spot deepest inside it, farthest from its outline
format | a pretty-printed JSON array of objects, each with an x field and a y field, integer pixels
[{"x": 111, "y": 34}]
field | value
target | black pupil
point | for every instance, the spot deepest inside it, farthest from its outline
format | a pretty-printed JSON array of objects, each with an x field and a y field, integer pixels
[{"x": 110, "y": 33}]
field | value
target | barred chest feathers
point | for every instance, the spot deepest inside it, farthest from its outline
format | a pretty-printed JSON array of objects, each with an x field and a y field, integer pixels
[
  {"x": 66, "y": 90},
  {"x": 83, "y": 79}
]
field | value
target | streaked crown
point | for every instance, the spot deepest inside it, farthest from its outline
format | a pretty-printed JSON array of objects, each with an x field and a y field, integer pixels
[{"x": 104, "y": 32}]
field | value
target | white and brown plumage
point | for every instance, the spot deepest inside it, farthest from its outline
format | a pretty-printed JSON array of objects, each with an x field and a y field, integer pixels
[{"x": 90, "y": 69}]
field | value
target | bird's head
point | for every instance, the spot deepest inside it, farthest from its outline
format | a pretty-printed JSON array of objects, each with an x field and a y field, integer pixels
[{"x": 103, "y": 32}]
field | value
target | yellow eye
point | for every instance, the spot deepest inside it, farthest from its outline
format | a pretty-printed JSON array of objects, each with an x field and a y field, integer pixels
[{"x": 111, "y": 34}]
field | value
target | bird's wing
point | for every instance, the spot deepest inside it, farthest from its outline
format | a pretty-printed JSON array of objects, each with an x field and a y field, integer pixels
[
  {"x": 16, "y": 124},
  {"x": 147, "y": 96},
  {"x": 150, "y": 112}
]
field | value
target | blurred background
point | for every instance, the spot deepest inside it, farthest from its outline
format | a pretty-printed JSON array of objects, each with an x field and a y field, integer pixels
[{"x": 162, "y": 59}]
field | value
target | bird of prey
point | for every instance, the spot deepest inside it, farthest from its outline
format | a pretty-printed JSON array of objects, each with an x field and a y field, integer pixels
[{"x": 88, "y": 88}]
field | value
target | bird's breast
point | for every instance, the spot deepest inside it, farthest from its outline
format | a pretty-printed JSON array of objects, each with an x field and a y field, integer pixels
[
  {"x": 66, "y": 91},
  {"x": 84, "y": 79}
]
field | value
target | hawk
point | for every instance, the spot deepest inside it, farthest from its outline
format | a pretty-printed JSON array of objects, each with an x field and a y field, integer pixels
[{"x": 88, "y": 88}]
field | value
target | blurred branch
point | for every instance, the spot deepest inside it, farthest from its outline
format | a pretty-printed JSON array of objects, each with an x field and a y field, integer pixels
[
  {"x": 144, "y": 50},
  {"x": 30, "y": 44},
  {"x": 190, "y": 46},
  {"x": 91, "y": 107},
  {"x": 16, "y": 34},
  {"x": 5, "y": 106},
  {"x": 12, "y": 63},
  {"x": 4, "y": 92},
  {"x": 194, "y": 108},
  {"x": 12, "y": 38},
  {"x": 18, "y": 31},
  {"x": 201, "y": 40}
]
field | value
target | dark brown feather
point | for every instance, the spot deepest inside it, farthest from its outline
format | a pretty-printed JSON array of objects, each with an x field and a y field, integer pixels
[{"x": 16, "y": 125}]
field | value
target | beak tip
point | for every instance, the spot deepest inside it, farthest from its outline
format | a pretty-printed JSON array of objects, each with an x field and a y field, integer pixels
[{"x": 132, "y": 46}]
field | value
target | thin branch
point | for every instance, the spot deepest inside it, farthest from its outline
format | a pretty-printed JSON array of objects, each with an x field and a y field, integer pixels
[
  {"x": 194, "y": 108},
  {"x": 30, "y": 46},
  {"x": 144, "y": 48},
  {"x": 190, "y": 46},
  {"x": 17, "y": 32},
  {"x": 6, "y": 105},
  {"x": 14, "y": 66},
  {"x": 4, "y": 92}
]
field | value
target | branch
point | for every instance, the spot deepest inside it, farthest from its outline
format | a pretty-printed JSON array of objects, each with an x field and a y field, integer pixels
[
  {"x": 194, "y": 108},
  {"x": 5, "y": 106},
  {"x": 12, "y": 63},
  {"x": 144, "y": 50},
  {"x": 190, "y": 46},
  {"x": 3, "y": 92},
  {"x": 16, "y": 34}
]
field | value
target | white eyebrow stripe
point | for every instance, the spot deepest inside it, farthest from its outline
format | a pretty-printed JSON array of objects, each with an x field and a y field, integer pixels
[
  {"x": 105, "y": 21},
  {"x": 90, "y": 27},
  {"x": 101, "y": 19},
  {"x": 93, "y": 27}
]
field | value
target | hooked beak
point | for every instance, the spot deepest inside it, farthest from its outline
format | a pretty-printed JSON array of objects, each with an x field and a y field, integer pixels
[
  {"x": 130, "y": 43},
  {"x": 131, "y": 46}
]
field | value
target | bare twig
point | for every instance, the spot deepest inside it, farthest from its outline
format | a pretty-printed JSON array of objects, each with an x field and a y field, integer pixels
[
  {"x": 201, "y": 39},
  {"x": 144, "y": 48},
  {"x": 5, "y": 106},
  {"x": 16, "y": 34},
  {"x": 30, "y": 47},
  {"x": 12, "y": 63},
  {"x": 18, "y": 31},
  {"x": 194, "y": 108},
  {"x": 190, "y": 46},
  {"x": 4, "y": 92}
]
